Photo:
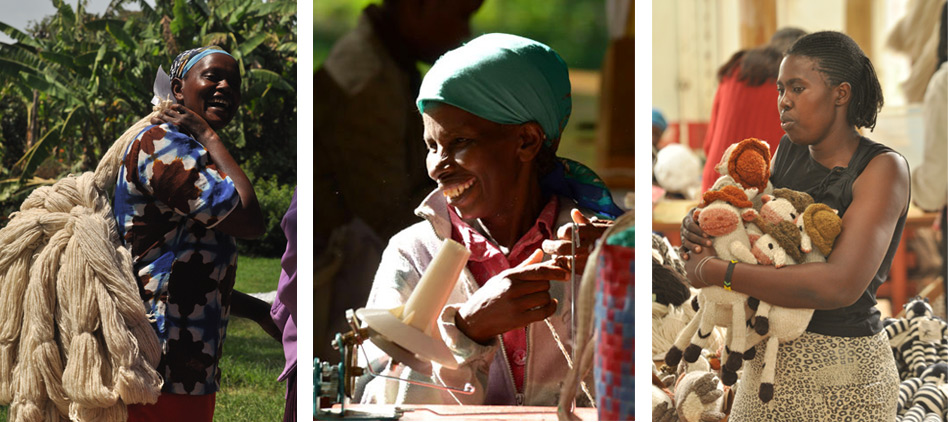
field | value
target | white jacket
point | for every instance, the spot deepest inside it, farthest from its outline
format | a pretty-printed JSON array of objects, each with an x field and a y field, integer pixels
[{"x": 484, "y": 366}]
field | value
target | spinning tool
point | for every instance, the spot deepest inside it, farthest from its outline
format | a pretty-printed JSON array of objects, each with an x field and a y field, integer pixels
[{"x": 407, "y": 333}]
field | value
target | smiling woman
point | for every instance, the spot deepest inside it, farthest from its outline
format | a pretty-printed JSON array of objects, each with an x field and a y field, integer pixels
[
  {"x": 180, "y": 201},
  {"x": 493, "y": 111},
  {"x": 212, "y": 90}
]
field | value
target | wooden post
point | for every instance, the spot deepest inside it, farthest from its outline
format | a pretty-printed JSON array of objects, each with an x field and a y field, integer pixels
[
  {"x": 615, "y": 144},
  {"x": 758, "y": 22},
  {"x": 859, "y": 24}
]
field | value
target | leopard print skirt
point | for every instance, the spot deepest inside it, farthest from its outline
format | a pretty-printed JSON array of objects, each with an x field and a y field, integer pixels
[{"x": 823, "y": 378}]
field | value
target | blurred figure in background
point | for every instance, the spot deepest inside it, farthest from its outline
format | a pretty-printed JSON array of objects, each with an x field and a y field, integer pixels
[
  {"x": 370, "y": 157},
  {"x": 916, "y": 35},
  {"x": 284, "y": 308},
  {"x": 930, "y": 179},
  {"x": 744, "y": 103},
  {"x": 676, "y": 170}
]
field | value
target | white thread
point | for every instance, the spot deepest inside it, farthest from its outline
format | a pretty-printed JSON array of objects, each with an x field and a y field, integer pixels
[
  {"x": 569, "y": 361},
  {"x": 74, "y": 338}
]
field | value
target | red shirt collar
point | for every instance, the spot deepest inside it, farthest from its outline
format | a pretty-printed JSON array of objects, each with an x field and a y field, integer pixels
[{"x": 483, "y": 249}]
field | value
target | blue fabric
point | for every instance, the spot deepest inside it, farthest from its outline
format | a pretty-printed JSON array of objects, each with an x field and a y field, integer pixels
[
  {"x": 168, "y": 198},
  {"x": 658, "y": 119},
  {"x": 509, "y": 79},
  {"x": 183, "y": 62}
]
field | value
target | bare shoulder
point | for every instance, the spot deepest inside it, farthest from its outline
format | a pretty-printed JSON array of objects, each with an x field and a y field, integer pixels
[
  {"x": 885, "y": 179},
  {"x": 888, "y": 165}
]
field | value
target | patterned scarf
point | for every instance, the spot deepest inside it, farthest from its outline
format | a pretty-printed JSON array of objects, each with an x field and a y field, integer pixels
[{"x": 180, "y": 67}]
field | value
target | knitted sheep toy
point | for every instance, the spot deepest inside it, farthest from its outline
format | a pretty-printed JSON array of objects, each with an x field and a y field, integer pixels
[
  {"x": 917, "y": 337},
  {"x": 819, "y": 226},
  {"x": 722, "y": 216},
  {"x": 792, "y": 206}
]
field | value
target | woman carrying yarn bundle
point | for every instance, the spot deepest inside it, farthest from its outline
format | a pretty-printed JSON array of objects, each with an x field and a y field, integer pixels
[
  {"x": 841, "y": 368},
  {"x": 493, "y": 111},
  {"x": 180, "y": 200}
]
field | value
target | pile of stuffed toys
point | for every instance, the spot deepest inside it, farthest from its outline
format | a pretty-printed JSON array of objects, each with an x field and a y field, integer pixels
[
  {"x": 920, "y": 347},
  {"x": 751, "y": 222}
]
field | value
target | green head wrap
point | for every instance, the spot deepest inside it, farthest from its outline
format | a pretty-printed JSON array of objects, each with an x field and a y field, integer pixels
[
  {"x": 505, "y": 79},
  {"x": 513, "y": 80}
]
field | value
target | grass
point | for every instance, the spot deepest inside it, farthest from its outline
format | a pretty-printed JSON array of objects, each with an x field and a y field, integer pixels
[
  {"x": 256, "y": 275},
  {"x": 252, "y": 360}
]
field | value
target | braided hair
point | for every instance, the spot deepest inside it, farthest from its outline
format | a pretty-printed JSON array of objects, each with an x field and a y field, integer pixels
[{"x": 840, "y": 59}]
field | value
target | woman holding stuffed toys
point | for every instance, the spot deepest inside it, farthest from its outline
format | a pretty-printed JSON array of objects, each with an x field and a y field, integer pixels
[{"x": 841, "y": 367}]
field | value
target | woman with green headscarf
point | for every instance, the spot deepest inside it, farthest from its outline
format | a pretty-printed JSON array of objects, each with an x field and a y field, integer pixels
[{"x": 493, "y": 113}]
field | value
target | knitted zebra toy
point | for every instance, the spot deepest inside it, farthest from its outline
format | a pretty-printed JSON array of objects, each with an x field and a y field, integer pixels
[
  {"x": 918, "y": 339},
  {"x": 923, "y": 398}
]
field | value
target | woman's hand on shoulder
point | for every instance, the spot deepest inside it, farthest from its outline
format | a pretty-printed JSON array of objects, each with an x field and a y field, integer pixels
[
  {"x": 510, "y": 300},
  {"x": 188, "y": 120},
  {"x": 693, "y": 239},
  {"x": 589, "y": 230}
]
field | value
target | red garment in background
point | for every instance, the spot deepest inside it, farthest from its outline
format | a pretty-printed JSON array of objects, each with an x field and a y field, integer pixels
[
  {"x": 739, "y": 112},
  {"x": 487, "y": 260}
]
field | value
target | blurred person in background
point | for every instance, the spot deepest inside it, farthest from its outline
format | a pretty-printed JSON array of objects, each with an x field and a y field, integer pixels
[
  {"x": 744, "y": 102},
  {"x": 369, "y": 155}
]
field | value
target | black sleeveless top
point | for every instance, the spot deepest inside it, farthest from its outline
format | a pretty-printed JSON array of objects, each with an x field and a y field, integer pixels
[{"x": 794, "y": 168}]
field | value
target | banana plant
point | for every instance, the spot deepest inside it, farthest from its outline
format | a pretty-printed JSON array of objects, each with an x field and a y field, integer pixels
[{"x": 72, "y": 83}]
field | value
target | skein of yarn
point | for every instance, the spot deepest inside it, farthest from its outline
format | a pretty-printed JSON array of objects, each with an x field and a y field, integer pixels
[{"x": 75, "y": 341}]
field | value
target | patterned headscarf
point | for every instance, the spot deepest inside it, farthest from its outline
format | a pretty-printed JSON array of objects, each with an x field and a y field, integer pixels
[
  {"x": 180, "y": 67},
  {"x": 512, "y": 80}
]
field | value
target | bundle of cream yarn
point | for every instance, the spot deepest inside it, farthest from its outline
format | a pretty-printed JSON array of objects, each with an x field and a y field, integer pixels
[{"x": 75, "y": 341}]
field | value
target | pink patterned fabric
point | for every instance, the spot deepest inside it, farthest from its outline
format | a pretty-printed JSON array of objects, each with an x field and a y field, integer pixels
[{"x": 487, "y": 260}]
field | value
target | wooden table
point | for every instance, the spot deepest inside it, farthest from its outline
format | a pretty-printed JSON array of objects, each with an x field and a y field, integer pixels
[
  {"x": 898, "y": 274},
  {"x": 468, "y": 413},
  {"x": 667, "y": 215}
]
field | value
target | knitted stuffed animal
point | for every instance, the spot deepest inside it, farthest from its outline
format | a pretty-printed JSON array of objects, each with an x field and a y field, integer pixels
[
  {"x": 781, "y": 246},
  {"x": 663, "y": 403},
  {"x": 663, "y": 406},
  {"x": 784, "y": 205},
  {"x": 917, "y": 336},
  {"x": 819, "y": 226},
  {"x": 936, "y": 374},
  {"x": 814, "y": 221},
  {"x": 699, "y": 395},
  {"x": 747, "y": 163},
  {"x": 928, "y": 396},
  {"x": 722, "y": 216}
]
